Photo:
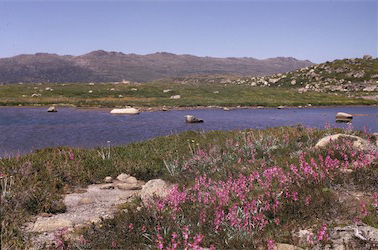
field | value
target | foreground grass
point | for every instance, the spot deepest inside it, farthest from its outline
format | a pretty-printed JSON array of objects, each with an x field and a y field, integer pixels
[
  {"x": 231, "y": 185},
  {"x": 152, "y": 95}
]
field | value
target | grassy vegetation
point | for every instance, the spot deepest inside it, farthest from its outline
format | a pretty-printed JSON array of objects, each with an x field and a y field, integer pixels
[
  {"x": 235, "y": 189},
  {"x": 152, "y": 95}
]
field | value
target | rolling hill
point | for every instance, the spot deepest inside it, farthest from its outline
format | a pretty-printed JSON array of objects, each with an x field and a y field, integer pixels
[{"x": 103, "y": 66}]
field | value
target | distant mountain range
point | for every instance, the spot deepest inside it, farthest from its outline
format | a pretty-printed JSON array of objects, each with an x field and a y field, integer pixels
[{"x": 103, "y": 66}]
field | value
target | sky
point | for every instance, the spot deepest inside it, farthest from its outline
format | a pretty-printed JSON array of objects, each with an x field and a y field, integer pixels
[{"x": 313, "y": 30}]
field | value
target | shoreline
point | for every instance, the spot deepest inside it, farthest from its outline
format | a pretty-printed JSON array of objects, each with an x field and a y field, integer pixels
[{"x": 171, "y": 108}]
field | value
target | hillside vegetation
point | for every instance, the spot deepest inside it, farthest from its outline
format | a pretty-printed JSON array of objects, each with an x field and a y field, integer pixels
[{"x": 341, "y": 82}]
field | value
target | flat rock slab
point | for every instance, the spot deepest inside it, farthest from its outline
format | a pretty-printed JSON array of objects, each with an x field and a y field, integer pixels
[{"x": 99, "y": 201}]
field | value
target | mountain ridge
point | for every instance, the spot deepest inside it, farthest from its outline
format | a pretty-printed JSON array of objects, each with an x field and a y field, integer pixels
[{"x": 108, "y": 66}]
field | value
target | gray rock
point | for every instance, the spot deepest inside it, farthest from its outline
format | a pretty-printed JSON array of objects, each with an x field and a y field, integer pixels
[
  {"x": 368, "y": 57},
  {"x": 358, "y": 142},
  {"x": 52, "y": 109},
  {"x": 175, "y": 97},
  {"x": 108, "y": 179},
  {"x": 192, "y": 119},
  {"x": 155, "y": 187},
  {"x": 281, "y": 107},
  {"x": 343, "y": 117},
  {"x": 354, "y": 236},
  {"x": 370, "y": 89},
  {"x": 123, "y": 177},
  {"x": 127, "y": 111}
]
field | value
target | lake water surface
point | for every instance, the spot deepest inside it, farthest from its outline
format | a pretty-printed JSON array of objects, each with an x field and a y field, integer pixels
[{"x": 23, "y": 129}]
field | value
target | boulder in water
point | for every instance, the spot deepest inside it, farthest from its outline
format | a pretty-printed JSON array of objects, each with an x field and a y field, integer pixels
[
  {"x": 127, "y": 111},
  {"x": 192, "y": 119},
  {"x": 52, "y": 109},
  {"x": 343, "y": 117}
]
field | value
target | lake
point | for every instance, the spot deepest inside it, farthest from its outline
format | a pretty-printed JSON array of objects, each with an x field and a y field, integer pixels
[{"x": 23, "y": 129}]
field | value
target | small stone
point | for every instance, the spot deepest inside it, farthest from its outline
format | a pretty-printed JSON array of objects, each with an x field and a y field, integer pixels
[
  {"x": 281, "y": 107},
  {"x": 131, "y": 180},
  {"x": 175, "y": 97},
  {"x": 108, "y": 179}
]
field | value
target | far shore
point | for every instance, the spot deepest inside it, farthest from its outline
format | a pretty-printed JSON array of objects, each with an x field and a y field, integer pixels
[{"x": 169, "y": 108}]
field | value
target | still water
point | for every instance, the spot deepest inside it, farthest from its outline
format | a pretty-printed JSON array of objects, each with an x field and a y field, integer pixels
[{"x": 24, "y": 129}]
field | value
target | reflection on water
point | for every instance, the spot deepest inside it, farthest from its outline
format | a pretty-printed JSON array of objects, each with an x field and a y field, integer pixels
[{"x": 25, "y": 129}]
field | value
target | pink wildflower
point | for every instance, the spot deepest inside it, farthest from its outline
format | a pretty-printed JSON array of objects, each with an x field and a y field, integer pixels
[{"x": 322, "y": 234}]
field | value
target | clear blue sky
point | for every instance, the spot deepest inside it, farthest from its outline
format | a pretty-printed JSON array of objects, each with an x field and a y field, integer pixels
[{"x": 314, "y": 30}]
